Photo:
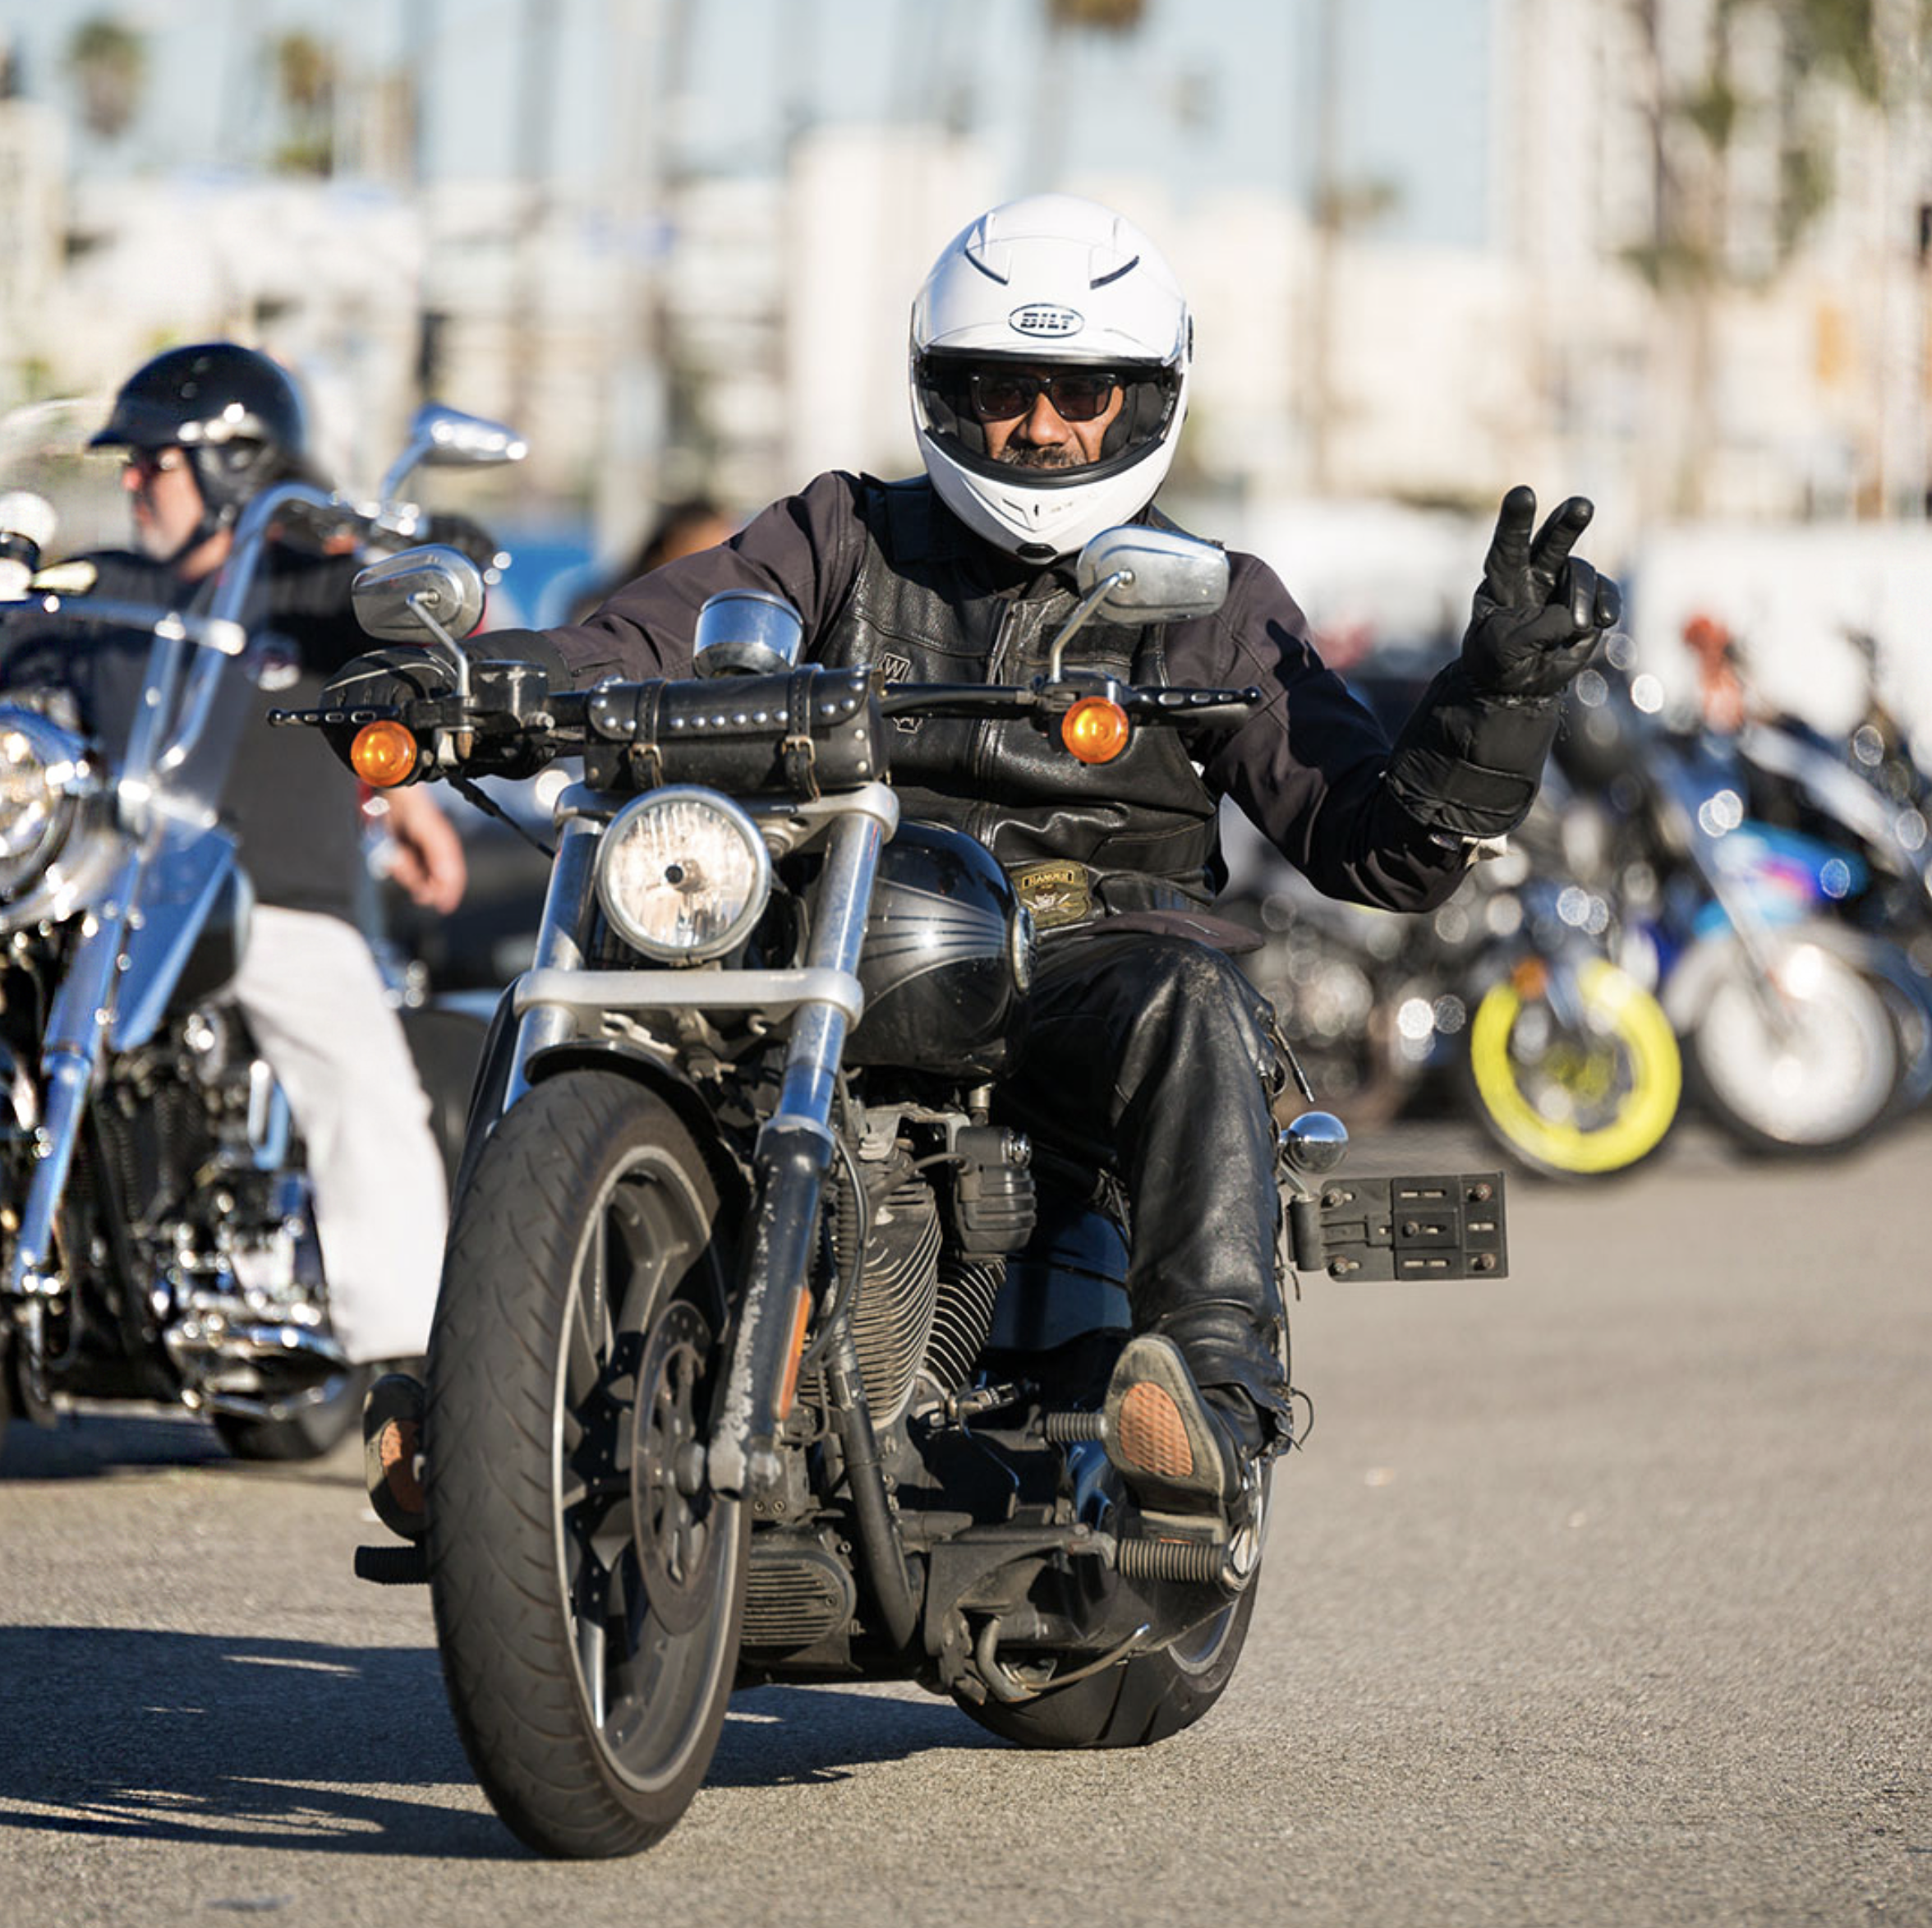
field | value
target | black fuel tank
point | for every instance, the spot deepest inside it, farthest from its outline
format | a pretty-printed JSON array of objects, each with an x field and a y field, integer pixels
[{"x": 949, "y": 952}]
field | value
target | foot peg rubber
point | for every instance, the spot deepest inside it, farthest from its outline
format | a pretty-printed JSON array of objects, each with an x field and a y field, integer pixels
[{"x": 394, "y": 1566}]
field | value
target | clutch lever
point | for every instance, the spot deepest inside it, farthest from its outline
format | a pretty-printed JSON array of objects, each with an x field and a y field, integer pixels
[{"x": 1190, "y": 706}]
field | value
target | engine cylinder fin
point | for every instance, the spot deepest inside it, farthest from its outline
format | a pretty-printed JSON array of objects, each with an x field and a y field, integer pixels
[
  {"x": 892, "y": 1308},
  {"x": 963, "y": 1316}
]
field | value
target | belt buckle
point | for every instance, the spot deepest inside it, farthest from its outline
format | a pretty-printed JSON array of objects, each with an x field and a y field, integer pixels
[{"x": 1057, "y": 892}]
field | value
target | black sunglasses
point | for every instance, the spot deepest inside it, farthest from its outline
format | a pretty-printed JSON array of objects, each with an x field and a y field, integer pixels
[
  {"x": 1078, "y": 394},
  {"x": 147, "y": 463}
]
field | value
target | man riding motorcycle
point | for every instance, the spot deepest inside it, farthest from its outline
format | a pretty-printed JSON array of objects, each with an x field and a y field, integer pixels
[
  {"x": 206, "y": 429},
  {"x": 1050, "y": 357}
]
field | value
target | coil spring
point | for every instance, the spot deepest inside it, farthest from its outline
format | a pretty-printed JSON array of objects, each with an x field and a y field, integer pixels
[
  {"x": 1069, "y": 1429},
  {"x": 1191, "y": 1560}
]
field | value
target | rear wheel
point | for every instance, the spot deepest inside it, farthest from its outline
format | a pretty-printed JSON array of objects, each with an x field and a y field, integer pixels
[
  {"x": 1136, "y": 1704},
  {"x": 587, "y": 1583},
  {"x": 1579, "y": 1085}
]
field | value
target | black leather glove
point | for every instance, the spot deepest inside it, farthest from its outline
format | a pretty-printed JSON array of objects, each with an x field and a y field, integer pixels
[
  {"x": 1468, "y": 762},
  {"x": 1540, "y": 613},
  {"x": 384, "y": 680},
  {"x": 504, "y": 689}
]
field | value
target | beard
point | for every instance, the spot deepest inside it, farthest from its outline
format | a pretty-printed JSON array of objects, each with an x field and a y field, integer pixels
[{"x": 1028, "y": 456}]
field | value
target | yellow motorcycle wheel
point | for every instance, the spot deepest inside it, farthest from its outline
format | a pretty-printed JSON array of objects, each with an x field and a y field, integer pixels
[{"x": 1575, "y": 1107}]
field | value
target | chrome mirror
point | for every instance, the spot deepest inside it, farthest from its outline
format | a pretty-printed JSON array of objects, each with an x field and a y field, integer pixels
[
  {"x": 435, "y": 588},
  {"x": 446, "y": 438},
  {"x": 1144, "y": 576}
]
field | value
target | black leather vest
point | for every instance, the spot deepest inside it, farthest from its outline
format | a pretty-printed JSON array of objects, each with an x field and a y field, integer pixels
[{"x": 924, "y": 607}]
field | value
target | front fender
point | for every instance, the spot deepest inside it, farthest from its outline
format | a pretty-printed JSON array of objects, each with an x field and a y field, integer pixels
[{"x": 649, "y": 1070}]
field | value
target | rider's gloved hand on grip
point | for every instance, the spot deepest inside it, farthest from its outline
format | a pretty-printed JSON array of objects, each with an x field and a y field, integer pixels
[
  {"x": 505, "y": 685},
  {"x": 384, "y": 680},
  {"x": 1540, "y": 612}
]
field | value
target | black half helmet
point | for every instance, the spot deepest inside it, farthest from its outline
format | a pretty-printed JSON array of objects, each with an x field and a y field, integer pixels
[{"x": 235, "y": 414}]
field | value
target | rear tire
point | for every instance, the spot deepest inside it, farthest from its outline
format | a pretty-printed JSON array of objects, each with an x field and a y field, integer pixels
[
  {"x": 1136, "y": 1704},
  {"x": 588, "y": 1585}
]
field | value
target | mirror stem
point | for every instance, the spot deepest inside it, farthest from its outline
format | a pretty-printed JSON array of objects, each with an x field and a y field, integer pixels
[
  {"x": 1089, "y": 605},
  {"x": 459, "y": 657}
]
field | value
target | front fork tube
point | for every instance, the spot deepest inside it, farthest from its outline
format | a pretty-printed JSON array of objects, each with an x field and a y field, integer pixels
[
  {"x": 793, "y": 1155},
  {"x": 70, "y": 1061},
  {"x": 559, "y": 946}
]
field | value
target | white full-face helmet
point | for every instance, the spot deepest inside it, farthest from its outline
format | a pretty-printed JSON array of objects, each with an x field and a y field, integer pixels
[{"x": 1050, "y": 281}]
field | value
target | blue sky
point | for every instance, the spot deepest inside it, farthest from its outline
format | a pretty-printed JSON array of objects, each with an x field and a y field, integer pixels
[{"x": 1209, "y": 93}]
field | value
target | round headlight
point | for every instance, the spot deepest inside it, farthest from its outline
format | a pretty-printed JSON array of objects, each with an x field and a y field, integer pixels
[
  {"x": 683, "y": 874},
  {"x": 43, "y": 771}
]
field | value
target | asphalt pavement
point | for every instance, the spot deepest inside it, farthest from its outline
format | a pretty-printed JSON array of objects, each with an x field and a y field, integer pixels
[{"x": 1601, "y": 1595}]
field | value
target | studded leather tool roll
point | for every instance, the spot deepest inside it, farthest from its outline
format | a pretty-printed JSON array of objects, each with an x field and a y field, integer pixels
[{"x": 805, "y": 731}]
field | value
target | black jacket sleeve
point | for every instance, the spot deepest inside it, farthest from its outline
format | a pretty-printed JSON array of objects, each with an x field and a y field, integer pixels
[
  {"x": 806, "y": 548},
  {"x": 1308, "y": 768}
]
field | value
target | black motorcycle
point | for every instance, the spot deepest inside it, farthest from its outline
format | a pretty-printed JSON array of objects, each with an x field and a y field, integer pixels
[
  {"x": 767, "y": 1350},
  {"x": 157, "y": 1228}
]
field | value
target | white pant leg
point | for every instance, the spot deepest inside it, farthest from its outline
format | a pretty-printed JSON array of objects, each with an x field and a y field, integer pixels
[{"x": 314, "y": 999}]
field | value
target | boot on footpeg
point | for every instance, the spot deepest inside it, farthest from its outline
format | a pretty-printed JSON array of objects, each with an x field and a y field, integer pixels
[{"x": 1170, "y": 1445}]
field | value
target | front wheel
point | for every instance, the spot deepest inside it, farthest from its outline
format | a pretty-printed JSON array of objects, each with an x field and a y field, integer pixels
[
  {"x": 1807, "y": 1060},
  {"x": 1578, "y": 1077},
  {"x": 587, "y": 1583}
]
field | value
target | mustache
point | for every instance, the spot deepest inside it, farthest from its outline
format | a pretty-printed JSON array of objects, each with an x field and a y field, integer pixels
[{"x": 1027, "y": 456}]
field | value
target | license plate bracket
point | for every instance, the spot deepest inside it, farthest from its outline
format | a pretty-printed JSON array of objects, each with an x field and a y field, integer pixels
[{"x": 1436, "y": 1228}]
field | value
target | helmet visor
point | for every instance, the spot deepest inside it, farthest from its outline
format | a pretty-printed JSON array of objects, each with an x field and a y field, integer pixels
[{"x": 960, "y": 394}]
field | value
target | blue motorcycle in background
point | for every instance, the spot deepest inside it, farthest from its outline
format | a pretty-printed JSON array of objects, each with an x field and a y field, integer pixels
[{"x": 1797, "y": 1026}]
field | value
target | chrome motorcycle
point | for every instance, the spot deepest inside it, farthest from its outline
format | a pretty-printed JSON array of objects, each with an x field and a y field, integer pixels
[
  {"x": 767, "y": 1350},
  {"x": 156, "y": 1222}
]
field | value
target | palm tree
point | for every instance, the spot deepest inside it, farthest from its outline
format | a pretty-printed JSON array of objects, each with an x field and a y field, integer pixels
[
  {"x": 109, "y": 61},
  {"x": 306, "y": 80}
]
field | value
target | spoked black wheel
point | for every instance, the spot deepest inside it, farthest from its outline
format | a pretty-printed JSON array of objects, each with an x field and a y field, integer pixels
[{"x": 587, "y": 1583}]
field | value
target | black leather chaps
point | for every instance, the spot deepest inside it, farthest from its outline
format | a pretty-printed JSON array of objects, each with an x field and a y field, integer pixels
[{"x": 1152, "y": 1055}]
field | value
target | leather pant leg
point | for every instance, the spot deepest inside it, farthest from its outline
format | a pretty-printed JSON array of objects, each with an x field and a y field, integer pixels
[{"x": 1151, "y": 1054}]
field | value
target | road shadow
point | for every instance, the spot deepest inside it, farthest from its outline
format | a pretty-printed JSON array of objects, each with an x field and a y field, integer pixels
[
  {"x": 140, "y": 1735},
  {"x": 780, "y": 1737},
  {"x": 99, "y": 1442},
  {"x": 145, "y": 1736}
]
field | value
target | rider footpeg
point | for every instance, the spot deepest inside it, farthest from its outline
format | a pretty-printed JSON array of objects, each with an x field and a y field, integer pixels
[
  {"x": 394, "y": 1566},
  {"x": 1069, "y": 1429}
]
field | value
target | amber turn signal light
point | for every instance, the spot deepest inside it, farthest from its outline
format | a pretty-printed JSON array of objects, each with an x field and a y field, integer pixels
[
  {"x": 384, "y": 755},
  {"x": 1529, "y": 979},
  {"x": 1096, "y": 729}
]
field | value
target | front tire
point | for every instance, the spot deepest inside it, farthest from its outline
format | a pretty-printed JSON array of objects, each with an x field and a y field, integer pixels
[
  {"x": 1572, "y": 1100},
  {"x": 1819, "y": 1077},
  {"x": 588, "y": 1584}
]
